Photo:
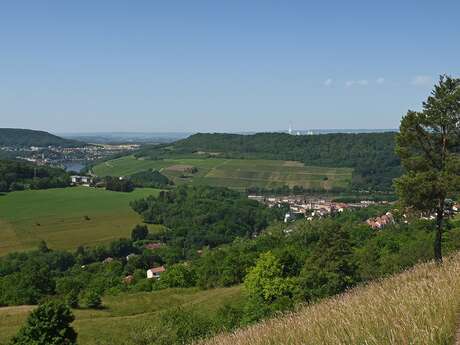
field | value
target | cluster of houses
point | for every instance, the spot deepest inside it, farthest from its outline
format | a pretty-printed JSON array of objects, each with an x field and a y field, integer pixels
[
  {"x": 380, "y": 222},
  {"x": 151, "y": 273},
  {"x": 309, "y": 208}
]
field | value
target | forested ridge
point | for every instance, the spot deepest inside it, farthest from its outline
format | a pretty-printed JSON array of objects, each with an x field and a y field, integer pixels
[
  {"x": 198, "y": 216},
  {"x": 28, "y": 137},
  {"x": 370, "y": 154},
  {"x": 15, "y": 175}
]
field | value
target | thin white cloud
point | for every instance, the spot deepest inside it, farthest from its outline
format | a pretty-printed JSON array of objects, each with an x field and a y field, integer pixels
[
  {"x": 328, "y": 82},
  {"x": 380, "y": 80},
  {"x": 422, "y": 80},
  {"x": 361, "y": 82}
]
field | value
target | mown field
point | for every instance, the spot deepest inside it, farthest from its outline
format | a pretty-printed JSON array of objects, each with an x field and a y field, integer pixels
[
  {"x": 66, "y": 217},
  {"x": 233, "y": 173},
  {"x": 125, "y": 313}
]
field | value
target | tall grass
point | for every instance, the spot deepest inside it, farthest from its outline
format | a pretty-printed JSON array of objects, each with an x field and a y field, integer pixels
[{"x": 418, "y": 306}]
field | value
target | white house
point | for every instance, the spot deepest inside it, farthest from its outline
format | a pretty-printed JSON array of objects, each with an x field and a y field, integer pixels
[
  {"x": 80, "y": 180},
  {"x": 155, "y": 272}
]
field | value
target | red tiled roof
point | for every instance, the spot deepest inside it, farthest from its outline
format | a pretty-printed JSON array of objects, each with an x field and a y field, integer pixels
[{"x": 160, "y": 269}]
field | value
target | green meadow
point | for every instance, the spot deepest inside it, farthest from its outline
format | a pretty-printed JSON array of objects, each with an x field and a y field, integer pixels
[
  {"x": 233, "y": 173},
  {"x": 123, "y": 314},
  {"x": 66, "y": 218}
]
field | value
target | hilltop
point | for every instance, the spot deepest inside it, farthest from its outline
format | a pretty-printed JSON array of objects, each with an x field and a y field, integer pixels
[
  {"x": 28, "y": 137},
  {"x": 370, "y": 155},
  {"x": 418, "y": 306}
]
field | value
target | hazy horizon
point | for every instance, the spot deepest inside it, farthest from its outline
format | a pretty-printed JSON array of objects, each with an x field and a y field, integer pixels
[{"x": 221, "y": 67}]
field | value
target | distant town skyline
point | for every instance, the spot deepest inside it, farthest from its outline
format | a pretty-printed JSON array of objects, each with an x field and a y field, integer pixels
[{"x": 206, "y": 66}]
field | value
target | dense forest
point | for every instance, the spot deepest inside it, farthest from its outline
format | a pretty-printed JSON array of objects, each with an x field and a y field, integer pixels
[
  {"x": 370, "y": 154},
  {"x": 15, "y": 175},
  {"x": 27, "y": 137},
  {"x": 198, "y": 216}
]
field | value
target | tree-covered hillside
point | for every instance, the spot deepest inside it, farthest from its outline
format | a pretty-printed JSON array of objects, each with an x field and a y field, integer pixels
[
  {"x": 16, "y": 175},
  {"x": 370, "y": 154},
  {"x": 198, "y": 216},
  {"x": 27, "y": 137}
]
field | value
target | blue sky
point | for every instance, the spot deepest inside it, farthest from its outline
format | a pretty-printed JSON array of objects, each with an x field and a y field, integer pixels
[{"x": 70, "y": 66}]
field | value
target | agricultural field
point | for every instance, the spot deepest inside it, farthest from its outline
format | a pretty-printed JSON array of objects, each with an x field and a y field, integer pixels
[
  {"x": 66, "y": 218},
  {"x": 123, "y": 314},
  {"x": 233, "y": 173}
]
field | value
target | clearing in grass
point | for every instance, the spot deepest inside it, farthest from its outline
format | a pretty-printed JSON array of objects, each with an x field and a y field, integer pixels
[{"x": 66, "y": 218}]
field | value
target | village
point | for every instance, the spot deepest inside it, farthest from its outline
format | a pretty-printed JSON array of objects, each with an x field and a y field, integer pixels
[
  {"x": 312, "y": 208},
  {"x": 304, "y": 207},
  {"x": 66, "y": 156}
]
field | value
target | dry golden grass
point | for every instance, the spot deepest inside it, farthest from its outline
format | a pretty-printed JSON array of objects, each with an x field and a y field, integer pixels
[{"x": 418, "y": 306}]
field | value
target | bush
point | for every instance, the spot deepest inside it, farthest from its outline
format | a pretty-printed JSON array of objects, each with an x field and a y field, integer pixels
[
  {"x": 72, "y": 299},
  {"x": 49, "y": 324},
  {"x": 93, "y": 300}
]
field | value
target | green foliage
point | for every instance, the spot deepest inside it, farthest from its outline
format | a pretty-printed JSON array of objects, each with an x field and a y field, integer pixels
[
  {"x": 118, "y": 184},
  {"x": 429, "y": 147},
  {"x": 264, "y": 281},
  {"x": 49, "y": 324},
  {"x": 28, "y": 137},
  {"x": 329, "y": 269},
  {"x": 139, "y": 232},
  {"x": 199, "y": 215},
  {"x": 93, "y": 299},
  {"x": 16, "y": 175},
  {"x": 150, "y": 178},
  {"x": 72, "y": 299},
  {"x": 179, "y": 275}
]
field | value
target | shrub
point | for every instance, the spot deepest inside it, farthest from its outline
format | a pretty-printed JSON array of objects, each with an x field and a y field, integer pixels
[{"x": 49, "y": 324}]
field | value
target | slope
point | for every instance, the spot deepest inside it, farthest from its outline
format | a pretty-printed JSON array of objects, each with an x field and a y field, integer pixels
[
  {"x": 27, "y": 137},
  {"x": 418, "y": 306}
]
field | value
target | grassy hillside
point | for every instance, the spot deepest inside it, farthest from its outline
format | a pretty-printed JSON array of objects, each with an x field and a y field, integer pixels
[
  {"x": 58, "y": 217},
  {"x": 124, "y": 313},
  {"x": 370, "y": 154},
  {"x": 234, "y": 173},
  {"x": 28, "y": 137},
  {"x": 419, "y": 306}
]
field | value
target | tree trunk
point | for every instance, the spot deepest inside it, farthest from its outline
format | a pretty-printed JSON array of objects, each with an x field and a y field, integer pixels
[{"x": 438, "y": 236}]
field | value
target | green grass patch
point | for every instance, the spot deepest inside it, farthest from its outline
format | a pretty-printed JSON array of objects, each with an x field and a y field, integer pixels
[
  {"x": 234, "y": 173},
  {"x": 66, "y": 218},
  {"x": 125, "y": 313}
]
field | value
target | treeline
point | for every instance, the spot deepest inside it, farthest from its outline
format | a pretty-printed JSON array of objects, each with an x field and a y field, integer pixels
[
  {"x": 198, "y": 216},
  {"x": 27, "y": 137},
  {"x": 143, "y": 179},
  {"x": 117, "y": 184},
  {"x": 15, "y": 175},
  {"x": 370, "y": 154},
  {"x": 150, "y": 179}
]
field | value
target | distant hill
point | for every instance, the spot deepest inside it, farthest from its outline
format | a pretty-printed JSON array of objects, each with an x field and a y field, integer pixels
[
  {"x": 27, "y": 137},
  {"x": 370, "y": 154}
]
